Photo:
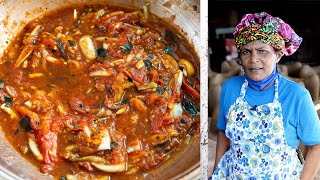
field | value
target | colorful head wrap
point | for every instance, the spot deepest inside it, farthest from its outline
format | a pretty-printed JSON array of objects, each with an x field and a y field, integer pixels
[{"x": 267, "y": 29}]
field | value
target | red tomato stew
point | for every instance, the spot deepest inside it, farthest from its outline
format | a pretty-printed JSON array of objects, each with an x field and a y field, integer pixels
[{"x": 95, "y": 90}]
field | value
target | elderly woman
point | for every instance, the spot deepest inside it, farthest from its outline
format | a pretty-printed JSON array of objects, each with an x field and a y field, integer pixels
[{"x": 263, "y": 115}]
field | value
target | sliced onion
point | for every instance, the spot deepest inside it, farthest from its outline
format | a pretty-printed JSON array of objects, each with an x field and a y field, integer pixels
[
  {"x": 87, "y": 131},
  {"x": 122, "y": 110},
  {"x": 11, "y": 91},
  {"x": 99, "y": 13},
  {"x": 101, "y": 73},
  {"x": 105, "y": 142},
  {"x": 95, "y": 159},
  {"x": 75, "y": 14},
  {"x": 35, "y": 75},
  {"x": 35, "y": 150},
  {"x": 25, "y": 53},
  {"x": 177, "y": 110},
  {"x": 87, "y": 47},
  {"x": 8, "y": 110},
  {"x": 135, "y": 146},
  {"x": 116, "y": 13},
  {"x": 178, "y": 80},
  {"x": 110, "y": 168}
]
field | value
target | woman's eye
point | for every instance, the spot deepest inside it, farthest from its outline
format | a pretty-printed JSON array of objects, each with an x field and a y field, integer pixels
[
  {"x": 262, "y": 50},
  {"x": 245, "y": 52}
]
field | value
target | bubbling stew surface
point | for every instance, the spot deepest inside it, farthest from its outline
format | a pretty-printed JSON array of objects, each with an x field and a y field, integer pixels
[{"x": 90, "y": 91}]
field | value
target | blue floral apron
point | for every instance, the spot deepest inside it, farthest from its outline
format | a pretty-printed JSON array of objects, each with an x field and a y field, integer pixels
[{"x": 258, "y": 146}]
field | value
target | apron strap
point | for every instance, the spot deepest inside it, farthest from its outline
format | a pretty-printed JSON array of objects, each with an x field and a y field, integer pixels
[
  {"x": 243, "y": 89},
  {"x": 276, "y": 87}
]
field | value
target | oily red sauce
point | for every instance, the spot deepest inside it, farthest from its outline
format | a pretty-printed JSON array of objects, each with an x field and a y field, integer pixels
[{"x": 95, "y": 91}]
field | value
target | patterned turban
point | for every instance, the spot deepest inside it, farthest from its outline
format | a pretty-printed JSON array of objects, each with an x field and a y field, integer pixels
[{"x": 267, "y": 29}]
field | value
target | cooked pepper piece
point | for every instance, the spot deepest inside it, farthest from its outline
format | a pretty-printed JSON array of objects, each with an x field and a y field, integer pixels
[
  {"x": 25, "y": 124},
  {"x": 34, "y": 117},
  {"x": 192, "y": 91}
]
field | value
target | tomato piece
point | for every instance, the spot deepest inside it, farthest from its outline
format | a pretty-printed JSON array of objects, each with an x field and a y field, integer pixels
[
  {"x": 154, "y": 74},
  {"x": 46, "y": 168},
  {"x": 158, "y": 114},
  {"x": 198, "y": 128},
  {"x": 1, "y": 96},
  {"x": 153, "y": 98},
  {"x": 49, "y": 43},
  {"x": 57, "y": 125},
  {"x": 167, "y": 119},
  {"x": 138, "y": 76},
  {"x": 48, "y": 146}
]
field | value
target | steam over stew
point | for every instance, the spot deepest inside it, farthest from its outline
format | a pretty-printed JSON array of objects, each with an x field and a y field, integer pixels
[{"x": 93, "y": 91}]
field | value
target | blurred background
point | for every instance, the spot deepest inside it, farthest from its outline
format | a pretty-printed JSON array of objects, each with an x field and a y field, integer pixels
[{"x": 302, "y": 67}]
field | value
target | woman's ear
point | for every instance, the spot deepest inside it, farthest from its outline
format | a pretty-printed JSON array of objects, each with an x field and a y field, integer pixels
[{"x": 279, "y": 55}]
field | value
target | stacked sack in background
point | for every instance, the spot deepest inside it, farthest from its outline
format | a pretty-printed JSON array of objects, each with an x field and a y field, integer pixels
[{"x": 301, "y": 73}]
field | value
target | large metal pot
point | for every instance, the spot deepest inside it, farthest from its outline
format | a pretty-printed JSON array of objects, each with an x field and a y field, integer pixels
[{"x": 184, "y": 14}]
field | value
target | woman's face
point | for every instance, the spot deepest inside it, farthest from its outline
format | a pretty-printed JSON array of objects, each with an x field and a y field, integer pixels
[{"x": 258, "y": 60}]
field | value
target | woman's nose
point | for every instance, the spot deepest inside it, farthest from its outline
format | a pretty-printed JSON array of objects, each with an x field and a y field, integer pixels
[{"x": 254, "y": 57}]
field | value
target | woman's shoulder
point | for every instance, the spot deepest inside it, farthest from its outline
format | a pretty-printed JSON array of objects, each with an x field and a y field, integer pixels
[
  {"x": 232, "y": 86},
  {"x": 286, "y": 83},
  {"x": 235, "y": 81},
  {"x": 290, "y": 86}
]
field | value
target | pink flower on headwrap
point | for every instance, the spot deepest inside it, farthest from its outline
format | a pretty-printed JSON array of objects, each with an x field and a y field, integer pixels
[{"x": 267, "y": 29}]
